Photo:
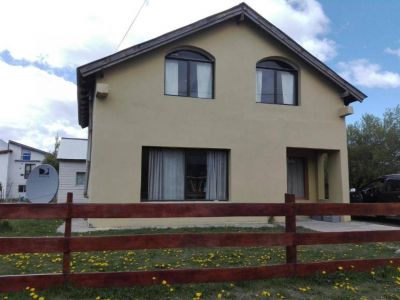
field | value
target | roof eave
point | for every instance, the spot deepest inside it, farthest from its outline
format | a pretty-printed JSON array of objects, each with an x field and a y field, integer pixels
[
  {"x": 115, "y": 58},
  {"x": 88, "y": 71}
]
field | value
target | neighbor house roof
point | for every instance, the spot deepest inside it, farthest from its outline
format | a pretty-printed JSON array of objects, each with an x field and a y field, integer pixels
[
  {"x": 28, "y": 147},
  {"x": 86, "y": 73},
  {"x": 72, "y": 149},
  {"x": 3, "y": 145}
]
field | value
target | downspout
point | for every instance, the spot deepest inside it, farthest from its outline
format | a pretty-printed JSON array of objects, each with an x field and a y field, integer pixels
[{"x": 89, "y": 147}]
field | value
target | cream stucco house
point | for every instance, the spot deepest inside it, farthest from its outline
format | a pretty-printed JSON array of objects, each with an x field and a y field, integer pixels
[{"x": 228, "y": 108}]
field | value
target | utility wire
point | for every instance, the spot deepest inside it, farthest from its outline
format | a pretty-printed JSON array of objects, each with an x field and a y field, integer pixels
[{"x": 133, "y": 21}]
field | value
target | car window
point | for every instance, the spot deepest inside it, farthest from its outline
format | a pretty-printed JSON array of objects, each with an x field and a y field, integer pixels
[
  {"x": 393, "y": 185},
  {"x": 376, "y": 185}
]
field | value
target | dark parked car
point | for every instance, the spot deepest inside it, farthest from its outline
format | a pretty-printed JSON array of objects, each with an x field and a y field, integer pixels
[{"x": 383, "y": 189}]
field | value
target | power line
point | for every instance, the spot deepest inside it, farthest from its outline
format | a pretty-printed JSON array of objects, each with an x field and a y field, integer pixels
[{"x": 133, "y": 21}]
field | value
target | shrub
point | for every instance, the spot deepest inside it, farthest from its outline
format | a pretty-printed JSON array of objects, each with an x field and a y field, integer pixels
[{"x": 5, "y": 226}]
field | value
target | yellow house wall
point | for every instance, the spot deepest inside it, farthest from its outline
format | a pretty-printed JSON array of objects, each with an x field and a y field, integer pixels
[{"x": 136, "y": 113}]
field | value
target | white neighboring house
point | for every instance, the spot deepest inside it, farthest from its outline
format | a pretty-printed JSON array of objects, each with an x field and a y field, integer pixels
[
  {"x": 72, "y": 169},
  {"x": 16, "y": 163}
]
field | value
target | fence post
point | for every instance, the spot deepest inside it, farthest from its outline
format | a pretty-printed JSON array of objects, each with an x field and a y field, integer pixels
[
  {"x": 67, "y": 235},
  {"x": 290, "y": 227}
]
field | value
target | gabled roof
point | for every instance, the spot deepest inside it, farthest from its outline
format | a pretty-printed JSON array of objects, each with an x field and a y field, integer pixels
[
  {"x": 72, "y": 149},
  {"x": 28, "y": 147},
  {"x": 86, "y": 73}
]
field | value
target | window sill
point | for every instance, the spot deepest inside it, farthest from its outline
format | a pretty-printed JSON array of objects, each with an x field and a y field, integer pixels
[
  {"x": 281, "y": 104},
  {"x": 190, "y": 97}
]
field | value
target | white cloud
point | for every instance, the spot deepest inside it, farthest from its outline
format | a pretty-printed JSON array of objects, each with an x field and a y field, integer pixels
[
  {"x": 367, "y": 74},
  {"x": 71, "y": 33},
  {"x": 393, "y": 51},
  {"x": 36, "y": 106},
  {"x": 303, "y": 20}
]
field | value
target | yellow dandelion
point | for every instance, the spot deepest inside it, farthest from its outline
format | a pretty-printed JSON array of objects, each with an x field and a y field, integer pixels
[
  {"x": 98, "y": 298},
  {"x": 324, "y": 272},
  {"x": 198, "y": 294},
  {"x": 265, "y": 293},
  {"x": 41, "y": 298},
  {"x": 32, "y": 289},
  {"x": 164, "y": 282},
  {"x": 340, "y": 268},
  {"x": 219, "y": 296}
]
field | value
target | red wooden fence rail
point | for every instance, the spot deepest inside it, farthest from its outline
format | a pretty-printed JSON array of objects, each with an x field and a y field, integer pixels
[{"x": 289, "y": 239}]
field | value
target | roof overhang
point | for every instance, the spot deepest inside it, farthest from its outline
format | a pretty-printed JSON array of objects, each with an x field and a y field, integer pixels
[{"x": 86, "y": 74}]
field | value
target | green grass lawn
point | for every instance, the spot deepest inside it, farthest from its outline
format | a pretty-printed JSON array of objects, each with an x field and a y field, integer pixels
[{"x": 382, "y": 283}]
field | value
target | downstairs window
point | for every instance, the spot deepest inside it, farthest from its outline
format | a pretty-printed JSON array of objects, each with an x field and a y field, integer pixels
[{"x": 184, "y": 174}]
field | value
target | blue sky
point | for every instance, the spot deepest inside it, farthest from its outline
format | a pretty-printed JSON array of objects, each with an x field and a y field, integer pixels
[
  {"x": 363, "y": 29},
  {"x": 42, "y": 45}
]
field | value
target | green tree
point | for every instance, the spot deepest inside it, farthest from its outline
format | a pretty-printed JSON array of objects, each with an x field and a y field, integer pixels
[
  {"x": 51, "y": 158},
  {"x": 374, "y": 147}
]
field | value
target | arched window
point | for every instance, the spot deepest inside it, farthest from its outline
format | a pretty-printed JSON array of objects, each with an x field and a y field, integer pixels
[
  {"x": 189, "y": 74},
  {"x": 276, "y": 82}
]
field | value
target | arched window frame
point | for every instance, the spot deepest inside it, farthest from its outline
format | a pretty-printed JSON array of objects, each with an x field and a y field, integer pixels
[
  {"x": 277, "y": 65},
  {"x": 189, "y": 58}
]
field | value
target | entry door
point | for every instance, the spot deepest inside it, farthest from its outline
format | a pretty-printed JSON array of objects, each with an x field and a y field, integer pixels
[{"x": 296, "y": 170}]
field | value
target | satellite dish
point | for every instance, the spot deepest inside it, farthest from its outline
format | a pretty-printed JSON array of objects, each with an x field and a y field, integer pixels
[{"x": 42, "y": 184}]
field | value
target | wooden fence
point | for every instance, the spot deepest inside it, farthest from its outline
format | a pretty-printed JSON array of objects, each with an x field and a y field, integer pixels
[{"x": 289, "y": 239}]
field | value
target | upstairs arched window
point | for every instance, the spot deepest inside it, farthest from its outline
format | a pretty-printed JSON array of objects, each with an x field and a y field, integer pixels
[
  {"x": 189, "y": 73},
  {"x": 276, "y": 82}
]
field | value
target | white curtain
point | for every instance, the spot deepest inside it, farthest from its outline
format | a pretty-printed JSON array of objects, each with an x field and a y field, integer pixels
[
  {"x": 204, "y": 80},
  {"x": 155, "y": 174},
  {"x": 287, "y": 81},
  {"x": 258, "y": 85},
  {"x": 295, "y": 177},
  {"x": 166, "y": 174},
  {"x": 171, "y": 77},
  {"x": 173, "y": 175},
  {"x": 216, "y": 175}
]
